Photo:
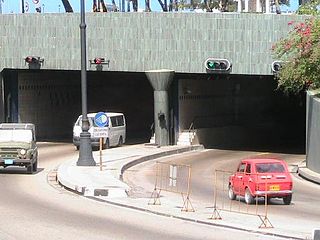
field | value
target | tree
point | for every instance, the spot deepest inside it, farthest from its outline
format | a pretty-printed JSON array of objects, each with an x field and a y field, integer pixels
[{"x": 299, "y": 52}]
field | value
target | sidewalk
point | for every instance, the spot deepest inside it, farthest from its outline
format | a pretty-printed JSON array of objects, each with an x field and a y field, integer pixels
[{"x": 106, "y": 185}]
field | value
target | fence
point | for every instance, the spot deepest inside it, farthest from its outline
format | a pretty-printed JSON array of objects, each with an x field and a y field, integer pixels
[
  {"x": 172, "y": 178},
  {"x": 235, "y": 203}
]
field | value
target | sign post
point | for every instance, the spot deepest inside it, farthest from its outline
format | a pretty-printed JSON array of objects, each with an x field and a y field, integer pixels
[{"x": 102, "y": 122}]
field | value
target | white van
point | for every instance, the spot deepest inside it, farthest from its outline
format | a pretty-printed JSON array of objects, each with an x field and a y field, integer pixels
[{"x": 116, "y": 130}]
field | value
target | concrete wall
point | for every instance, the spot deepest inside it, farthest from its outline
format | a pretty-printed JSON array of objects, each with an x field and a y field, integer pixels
[
  {"x": 144, "y": 41},
  {"x": 1, "y": 99},
  {"x": 313, "y": 131}
]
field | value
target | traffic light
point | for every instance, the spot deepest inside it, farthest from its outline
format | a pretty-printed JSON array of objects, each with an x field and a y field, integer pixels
[
  {"x": 98, "y": 60},
  {"x": 216, "y": 65},
  {"x": 276, "y": 66},
  {"x": 31, "y": 59}
]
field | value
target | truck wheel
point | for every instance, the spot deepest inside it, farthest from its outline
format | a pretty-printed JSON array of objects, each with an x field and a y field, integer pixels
[
  {"x": 35, "y": 166},
  {"x": 30, "y": 168}
]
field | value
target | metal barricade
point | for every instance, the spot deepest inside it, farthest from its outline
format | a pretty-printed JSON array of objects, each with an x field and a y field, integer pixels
[
  {"x": 173, "y": 178},
  {"x": 223, "y": 203}
]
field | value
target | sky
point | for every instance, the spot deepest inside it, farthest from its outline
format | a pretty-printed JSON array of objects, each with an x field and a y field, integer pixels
[{"x": 56, "y": 6}]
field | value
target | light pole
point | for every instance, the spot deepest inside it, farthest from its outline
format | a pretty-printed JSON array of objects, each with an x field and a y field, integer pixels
[{"x": 85, "y": 151}]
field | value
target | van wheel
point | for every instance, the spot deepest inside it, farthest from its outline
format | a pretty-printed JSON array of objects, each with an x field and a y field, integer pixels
[
  {"x": 120, "y": 141},
  {"x": 107, "y": 144}
]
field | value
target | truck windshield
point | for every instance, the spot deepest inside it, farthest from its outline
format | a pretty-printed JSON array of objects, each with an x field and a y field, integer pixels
[{"x": 17, "y": 135}]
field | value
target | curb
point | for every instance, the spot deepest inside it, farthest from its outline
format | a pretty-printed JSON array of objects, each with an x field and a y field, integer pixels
[
  {"x": 158, "y": 155},
  {"x": 309, "y": 175}
]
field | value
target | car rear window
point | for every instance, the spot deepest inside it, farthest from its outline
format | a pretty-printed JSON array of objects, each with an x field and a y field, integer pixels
[{"x": 270, "y": 168}]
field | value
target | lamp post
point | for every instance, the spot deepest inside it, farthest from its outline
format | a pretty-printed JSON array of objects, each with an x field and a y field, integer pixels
[{"x": 85, "y": 151}]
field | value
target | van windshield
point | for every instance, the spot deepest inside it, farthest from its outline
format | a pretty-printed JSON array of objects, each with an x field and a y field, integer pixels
[{"x": 91, "y": 122}]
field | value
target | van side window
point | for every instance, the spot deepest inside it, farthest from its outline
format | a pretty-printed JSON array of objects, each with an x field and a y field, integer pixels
[
  {"x": 120, "y": 121},
  {"x": 113, "y": 121}
]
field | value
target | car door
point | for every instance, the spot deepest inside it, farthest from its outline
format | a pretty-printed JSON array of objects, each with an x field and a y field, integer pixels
[
  {"x": 238, "y": 179},
  {"x": 247, "y": 179}
]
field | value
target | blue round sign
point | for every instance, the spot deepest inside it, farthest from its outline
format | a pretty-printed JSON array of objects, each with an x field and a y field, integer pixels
[{"x": 101, "y": 119}]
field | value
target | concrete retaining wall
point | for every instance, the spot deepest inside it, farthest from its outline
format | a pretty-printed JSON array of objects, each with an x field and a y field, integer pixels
[
  {"x": 144, "y": 41},
  {"x": 313, "y": 131}
]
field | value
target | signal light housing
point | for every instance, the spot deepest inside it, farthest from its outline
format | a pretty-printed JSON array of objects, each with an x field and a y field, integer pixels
[
  {"x": 34, "y": 62},
  {"x": 276, "y": 66},
  {"x": 98, "y": 60},
  {"x": 218, "y": 65}
]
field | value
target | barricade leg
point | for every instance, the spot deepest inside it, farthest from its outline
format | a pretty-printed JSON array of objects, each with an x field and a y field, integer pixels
[
  {"x": 187, "y": 206},
  {"x": 155, "y": 196}
]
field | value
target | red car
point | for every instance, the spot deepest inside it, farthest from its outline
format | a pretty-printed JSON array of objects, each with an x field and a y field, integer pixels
[{"x": 258, "y": 177}]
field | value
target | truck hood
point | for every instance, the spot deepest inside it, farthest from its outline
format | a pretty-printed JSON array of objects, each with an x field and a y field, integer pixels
[{"x": 12, "y": 144}]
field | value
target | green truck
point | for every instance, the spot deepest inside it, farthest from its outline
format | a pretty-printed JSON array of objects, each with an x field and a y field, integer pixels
[{"x": 18, "y": 146}]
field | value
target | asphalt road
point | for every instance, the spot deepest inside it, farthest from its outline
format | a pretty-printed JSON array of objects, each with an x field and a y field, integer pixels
[
  {"x": 31, "y": 208},
  {"x": 303, "y": 211}
]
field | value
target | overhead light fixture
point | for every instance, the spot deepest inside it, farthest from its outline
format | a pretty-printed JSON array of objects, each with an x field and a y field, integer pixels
[
  {"x": 34, "y": 62},
  {"x": 99, "y": 62}
]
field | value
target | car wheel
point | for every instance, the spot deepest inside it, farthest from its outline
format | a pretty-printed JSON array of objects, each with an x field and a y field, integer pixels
[
  {"x": 231, "y": 194},
  {"x": 287, "y": 199},
  {"x": 35, "y": 166},
  {"x": 120, "y": 141},
  {"x": 248, "y": 198},
  {"x": 30, "y": 168}
]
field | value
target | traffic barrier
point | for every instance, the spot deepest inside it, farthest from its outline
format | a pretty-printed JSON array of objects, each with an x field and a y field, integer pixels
[
  {"x": 223, "y": 203},
  {"x": 172, "y": 178}
]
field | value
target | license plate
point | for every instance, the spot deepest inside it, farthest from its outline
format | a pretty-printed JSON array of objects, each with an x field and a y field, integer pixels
[
  {"x": 8, "y": 161},
  {"x": 274, "y": 188}
]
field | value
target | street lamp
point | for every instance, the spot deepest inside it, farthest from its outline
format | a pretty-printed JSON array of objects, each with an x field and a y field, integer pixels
[{"x": 85, "y": 151}]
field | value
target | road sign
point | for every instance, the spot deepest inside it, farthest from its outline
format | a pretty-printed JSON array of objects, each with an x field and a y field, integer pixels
[
  {"x": 101, "y": 119},
  {"x": 100, "y": 132}
]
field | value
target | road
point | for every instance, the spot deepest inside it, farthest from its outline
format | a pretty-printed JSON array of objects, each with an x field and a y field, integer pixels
[
  {"x": 31, "y": 208},
  {"x": 304, "y": 211}
]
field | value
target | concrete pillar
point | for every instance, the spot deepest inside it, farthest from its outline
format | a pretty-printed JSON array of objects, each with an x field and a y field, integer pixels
[
  {"x": 246, "y": 5},
  {"x": 1, "y": 98},
  {"x": 160, "y": 81},
  {"x": 258, "y": 6},
  {"x": 267, "y": 6},
  {"x": 239, "y": 6}
]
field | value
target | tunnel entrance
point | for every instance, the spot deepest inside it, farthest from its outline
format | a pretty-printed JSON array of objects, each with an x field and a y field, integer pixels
[
  {"x": 243, "y": 112},
  {"x": 52, "y": 100}
]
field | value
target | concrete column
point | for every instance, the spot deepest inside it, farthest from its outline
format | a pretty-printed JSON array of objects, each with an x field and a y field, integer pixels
[
  {"x": 239, "y": 6},
  {"x": 246, "y": 5},
  {"x": 258, "y": 6},
  {"x": 267, "y": 6},
  {"x": 1, "y": 98},
  {"x": 160, "y": 81}
]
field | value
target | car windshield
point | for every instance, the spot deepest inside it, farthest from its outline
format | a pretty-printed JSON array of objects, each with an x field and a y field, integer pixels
[
  {"x": 270, "y": 168},
  {"x": 17, "y": 135}
]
